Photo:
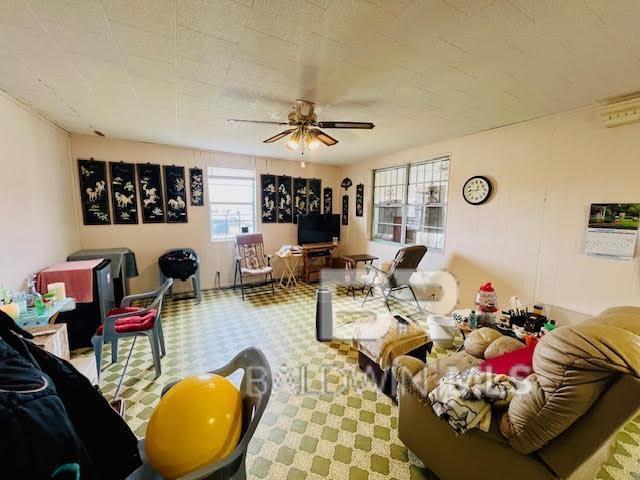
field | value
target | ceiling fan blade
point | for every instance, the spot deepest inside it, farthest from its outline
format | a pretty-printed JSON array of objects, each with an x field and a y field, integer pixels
[
  {"x": 358, "y": 125},
  {"x": 328, "y": 140},
  {"x": 277, "y": 137},
  {"x": 263, "y": 122}
]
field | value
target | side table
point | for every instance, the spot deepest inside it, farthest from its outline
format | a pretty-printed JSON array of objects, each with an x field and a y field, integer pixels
[
  {"x": 290, "y": 262},
  {"x": 351, "y": 264}
]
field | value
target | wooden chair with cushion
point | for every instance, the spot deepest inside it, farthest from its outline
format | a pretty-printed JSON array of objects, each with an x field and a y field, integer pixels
[{"x": 251, "y": 261}]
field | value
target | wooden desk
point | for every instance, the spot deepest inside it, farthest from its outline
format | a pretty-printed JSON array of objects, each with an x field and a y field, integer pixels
[{"x": 322, "y": 250}]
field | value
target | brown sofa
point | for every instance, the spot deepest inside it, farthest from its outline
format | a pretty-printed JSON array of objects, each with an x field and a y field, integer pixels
[{"x": 585, "y": 387}]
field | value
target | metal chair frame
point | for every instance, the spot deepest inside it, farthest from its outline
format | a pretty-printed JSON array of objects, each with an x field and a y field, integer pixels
[{"x": 390, "y": 283}]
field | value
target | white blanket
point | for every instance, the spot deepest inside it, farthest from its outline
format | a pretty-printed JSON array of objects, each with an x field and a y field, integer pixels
[{"x": 464, "y": 399}]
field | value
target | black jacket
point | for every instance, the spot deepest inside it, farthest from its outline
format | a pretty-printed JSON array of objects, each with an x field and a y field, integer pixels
[{"x": 53, "y": 423}]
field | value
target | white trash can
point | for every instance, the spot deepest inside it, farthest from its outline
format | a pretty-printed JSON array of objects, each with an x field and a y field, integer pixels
[{"x": 442, "y": 330}]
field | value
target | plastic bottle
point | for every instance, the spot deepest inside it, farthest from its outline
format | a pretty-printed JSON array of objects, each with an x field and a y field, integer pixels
[
  {"x": 32, "y": 293},
  {"x": 473, "y": 319}
]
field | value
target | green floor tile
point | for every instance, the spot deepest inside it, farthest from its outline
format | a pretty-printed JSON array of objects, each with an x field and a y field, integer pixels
[
  {"x": 308, "y": 444},
  {"x": 285, "y": 455},
  {"x": 320, "y": 466},
  {"x": 363, "y": 443},
  {"x": 380, "y": 464},
  {"x": 330, "y": 434},
  {"x": 342, "y": 454}
]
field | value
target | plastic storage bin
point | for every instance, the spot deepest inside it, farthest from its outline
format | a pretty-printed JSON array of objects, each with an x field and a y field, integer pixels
[{"x": 442, "y": 330}]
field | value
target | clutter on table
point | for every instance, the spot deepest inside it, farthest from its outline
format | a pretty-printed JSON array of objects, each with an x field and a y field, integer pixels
[
  {"x": 29, "y": 308},
  {"x": 286, "y": 250},
  {"x": 518, "y": 321}
]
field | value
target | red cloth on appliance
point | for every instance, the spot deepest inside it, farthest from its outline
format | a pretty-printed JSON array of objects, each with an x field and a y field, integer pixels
[
  {"x": 76, "y": 276},
  {"x": 134, "y": 323},
  {"x": 517, "y": 364}
]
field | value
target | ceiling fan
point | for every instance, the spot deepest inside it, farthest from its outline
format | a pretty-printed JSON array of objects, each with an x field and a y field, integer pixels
[{"x": 306, "y": 128}]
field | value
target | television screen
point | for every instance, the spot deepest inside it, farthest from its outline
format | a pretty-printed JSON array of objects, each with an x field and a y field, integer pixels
[{"x": 317, "y": 228}]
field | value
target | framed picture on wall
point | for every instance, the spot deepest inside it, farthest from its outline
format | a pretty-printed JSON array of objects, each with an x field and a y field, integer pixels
[
  {"x": 176, "y": 191},
  {"x": 314, "y": 197},
  {"x": 359, "y": 199},
  {"x": 151, "y": 195},
  {"x": 196, "y": 188},
  {"x": 284, "y": 199},
  {"x": 299, "y": 198},
  {"x": 94, "y": 192},
  {"x": 124, "y": 194},
  {"x": 328, "y": 200},
  {"x": 345, "y": 210},
  {"x": 268, "y": 198}
]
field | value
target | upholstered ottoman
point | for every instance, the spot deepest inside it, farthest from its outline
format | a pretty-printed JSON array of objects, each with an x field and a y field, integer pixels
[{"x": 381, "y": 339}]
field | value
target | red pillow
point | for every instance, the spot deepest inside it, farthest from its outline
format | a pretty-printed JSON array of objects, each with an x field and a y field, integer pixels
[{"x": 517, "y": 364}]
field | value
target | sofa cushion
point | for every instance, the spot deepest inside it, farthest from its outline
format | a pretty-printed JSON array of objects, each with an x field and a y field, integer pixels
[
  {"x": 134, "y": 323},
  {"x": 517, "y": 364},
  {"x": 502, "y": 345},
  {"x": 477, "y": 341}
]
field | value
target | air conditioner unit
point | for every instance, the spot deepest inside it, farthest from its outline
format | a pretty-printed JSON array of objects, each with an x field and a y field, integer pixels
[{"x": 621, "y": 113}]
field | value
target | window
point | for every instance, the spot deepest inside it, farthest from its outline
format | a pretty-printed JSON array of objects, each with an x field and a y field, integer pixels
[
  {"x": 410, "y": 203},
  {"x": 232, "y": 201}
]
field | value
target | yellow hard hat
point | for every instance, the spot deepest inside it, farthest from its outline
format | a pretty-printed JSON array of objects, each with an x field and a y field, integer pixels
[{"x": 196, "y": 423}]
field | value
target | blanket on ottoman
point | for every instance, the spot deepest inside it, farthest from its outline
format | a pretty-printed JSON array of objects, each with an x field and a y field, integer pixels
[{"x": 383, "y": 338}]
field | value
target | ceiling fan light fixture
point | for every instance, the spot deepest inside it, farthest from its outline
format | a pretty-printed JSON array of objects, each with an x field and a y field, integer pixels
[
  {"x": 294, "y": 142},
  {"x": 312, "y": 140}
]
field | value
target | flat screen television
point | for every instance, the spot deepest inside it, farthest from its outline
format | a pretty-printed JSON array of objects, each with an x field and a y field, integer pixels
[{"x": 317, "y": 228}]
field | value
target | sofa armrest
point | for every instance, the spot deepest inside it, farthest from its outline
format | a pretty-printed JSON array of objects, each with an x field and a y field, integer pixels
[
  {"x": 405, "y": 368},
  {"x": 479, "y": 340}
]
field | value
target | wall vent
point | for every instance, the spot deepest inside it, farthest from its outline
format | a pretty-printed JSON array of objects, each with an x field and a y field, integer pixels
[{"x": 624, "y": 111}]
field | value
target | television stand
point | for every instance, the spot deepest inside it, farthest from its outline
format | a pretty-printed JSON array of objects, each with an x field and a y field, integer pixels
[{"x": 323, "y": 250}]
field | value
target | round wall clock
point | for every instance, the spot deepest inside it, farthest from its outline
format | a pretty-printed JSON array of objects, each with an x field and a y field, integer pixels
[{"x": 477, "y": 190}]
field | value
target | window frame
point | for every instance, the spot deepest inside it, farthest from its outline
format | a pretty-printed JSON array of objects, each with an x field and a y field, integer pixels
[
  {"x": 251, "y": 203},
  {"x": 443, "y": 205}
]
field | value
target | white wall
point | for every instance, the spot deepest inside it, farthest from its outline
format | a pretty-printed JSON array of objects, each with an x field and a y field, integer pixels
[
  {"x": 39, "y": 219},
  {"x": 149, "y": 241},
  {"x": 529, "y": 238}
]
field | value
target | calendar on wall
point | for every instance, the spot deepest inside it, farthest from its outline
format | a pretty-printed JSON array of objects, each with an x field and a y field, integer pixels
[{"x": 612, "y": 231}]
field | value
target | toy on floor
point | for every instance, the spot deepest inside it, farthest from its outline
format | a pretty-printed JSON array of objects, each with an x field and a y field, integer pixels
[{"x": 196, "y": 423}]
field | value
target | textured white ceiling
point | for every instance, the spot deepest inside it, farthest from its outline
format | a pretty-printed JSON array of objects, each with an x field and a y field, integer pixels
[{"x": 172, "y": 71}]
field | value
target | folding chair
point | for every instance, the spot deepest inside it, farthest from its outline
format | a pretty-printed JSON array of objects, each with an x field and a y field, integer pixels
[{"x": 396, "y": 277}]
